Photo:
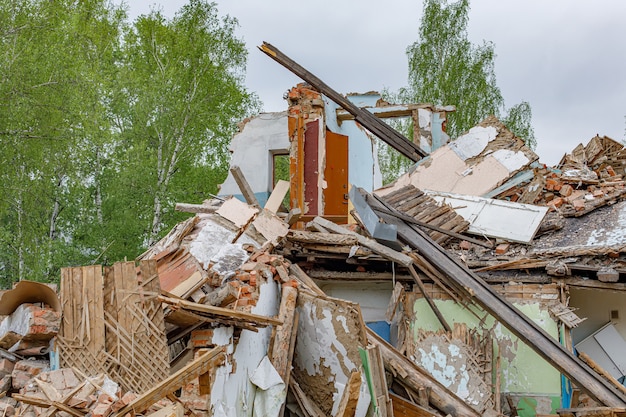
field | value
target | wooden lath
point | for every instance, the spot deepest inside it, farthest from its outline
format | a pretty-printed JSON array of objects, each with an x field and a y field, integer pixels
[
  {"x": 113, "y": 323},
  {"x": 476, "y": 353},
  {"x": 442, "y": 221}
]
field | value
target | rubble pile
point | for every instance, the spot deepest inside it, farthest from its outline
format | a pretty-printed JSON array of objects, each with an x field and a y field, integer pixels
[
  {"x": 447, "y": 293},
  {"x": 589, "y": 177}
]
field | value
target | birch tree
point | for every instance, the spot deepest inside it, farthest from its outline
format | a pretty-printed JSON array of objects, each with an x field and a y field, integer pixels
[
  {"x": 186, "y": 86},
  {"x": 445, "y": 68}
]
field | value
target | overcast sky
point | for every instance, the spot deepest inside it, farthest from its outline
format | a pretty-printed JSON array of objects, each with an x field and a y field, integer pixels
[{"x": 567, "y": 58}]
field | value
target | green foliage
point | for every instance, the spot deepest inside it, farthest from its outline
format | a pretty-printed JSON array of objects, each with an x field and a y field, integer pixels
[
  {"x": 104, "y": 125},
  {"x": 445, "y": 68}
]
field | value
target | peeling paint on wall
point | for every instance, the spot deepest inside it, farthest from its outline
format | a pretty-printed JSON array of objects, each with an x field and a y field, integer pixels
[
  {"x": 326, "y": 352},
  {"x": 524, "y": 373}
]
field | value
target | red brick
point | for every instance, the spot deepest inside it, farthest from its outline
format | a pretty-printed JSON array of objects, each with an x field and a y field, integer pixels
[
  {"x": 201, "y": 338},
  {"x": 566, "y": 190},
  {"x": 502, "y": 248},
  {"x": 579, "y": 204},
  {"x": 610, "y": 171},
  {"x": 465, "y": 245},
  {"x": 101, "y": 410},
  {"x": 6, "y": 367},
  {"x": 264, "y": 259},
  {"x": 550, "y": 183},
  {"x": 248, "y": 266},
  {"x": 557, "y": 202}
]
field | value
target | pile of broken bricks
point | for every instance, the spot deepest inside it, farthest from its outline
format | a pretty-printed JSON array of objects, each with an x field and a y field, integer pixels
[{"x": 589, "y": 177}]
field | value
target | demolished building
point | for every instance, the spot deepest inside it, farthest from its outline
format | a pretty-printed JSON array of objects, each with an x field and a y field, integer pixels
[{"x": 473, "y": 285}]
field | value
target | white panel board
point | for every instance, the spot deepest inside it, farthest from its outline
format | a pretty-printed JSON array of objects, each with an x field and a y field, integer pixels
[
  {"x": 614, "y": 346},
  {"x": 514, "y": 222}
]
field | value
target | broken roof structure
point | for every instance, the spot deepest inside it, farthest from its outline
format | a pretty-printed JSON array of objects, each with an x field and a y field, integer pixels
[{"x": 481, "y": 282}]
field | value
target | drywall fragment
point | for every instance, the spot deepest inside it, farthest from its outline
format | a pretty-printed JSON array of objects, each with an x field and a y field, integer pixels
[
  {"x": 272, "y": 391},
  {"x": 238, "y": 212},
  {"x": 330, "y": 332}
]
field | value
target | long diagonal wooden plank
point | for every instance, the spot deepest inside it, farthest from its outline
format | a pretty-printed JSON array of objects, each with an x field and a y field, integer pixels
[
  {"x": 379, "y": 128},
  {"x": 518, "y": 323},
  {"x": 201, "y": 365}
]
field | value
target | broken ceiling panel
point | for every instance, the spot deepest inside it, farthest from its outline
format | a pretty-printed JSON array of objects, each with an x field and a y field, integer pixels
[
  {"x": 475, "y": 163},
  {"x": 492, "y": 218}
]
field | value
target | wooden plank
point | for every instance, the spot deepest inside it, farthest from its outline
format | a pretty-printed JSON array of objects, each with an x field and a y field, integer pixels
[
  {"x": 375, "y": 374},
  {"x": 323, "y": 238},
  {"x": 226, "y": 313},
  {"x": 237, "y": 212},
  {"x": 378, "y": 127},
  {"x": 308, "y": 407},
  {"x": 587, "y": 359},
  {"x": 244, "y": 186},
  {"x": 283, "y": 335},
  {"x": 204, "y": 363},
  {"x": 414, "y": 377},
  {"x": 293, "y": 216},
  {"x": 518, "y": 323},
  {"x": 350, "y": 396},
  {"x": 405, "y": 408},
  {"x": 40, "y": 402},
  {"x": 409, "y": 219},
  {"x": 429, "y": 300},
  {"x": 278, "y": 195},
  {"x": 376, "y": 247},
  {"x": 195, "y": 208},
  {"x": 396, "y": 297}
]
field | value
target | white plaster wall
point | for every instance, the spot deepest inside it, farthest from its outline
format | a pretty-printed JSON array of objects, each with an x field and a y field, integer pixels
[
  {"x": 250, "y": 150},
  {"x": 232, "y": 393},
  {"x": 373, "y": 297},
  {"x": 596, "y": 306}
]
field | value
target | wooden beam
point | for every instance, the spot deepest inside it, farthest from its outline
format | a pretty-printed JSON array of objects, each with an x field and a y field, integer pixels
[
  {"x": 350, "y": 396},
  {"x": 429, "y": 300},
  {"x": 244, "y": 186},
  {"x": 376, "y": 247},
  {"x": 379, "y": 128},
  {"x": 261, "y": 321},
  {"x": 518, "y": 323},
  {"x": 204, "y": 363},
  {"x": 405, "y": 408},
  {"x": 596, "y": 367},
  {"x": 456, "y": 235},
  {"x": 195, "y": 208},
  {"x": 282, "y": 338},
  {"x": 322, "y": 275},
  {"x": 414, "y": 377},
  {"x": 41, "y": 402}
]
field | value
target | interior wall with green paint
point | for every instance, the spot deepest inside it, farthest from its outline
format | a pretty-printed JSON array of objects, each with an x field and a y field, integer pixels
[{"x": 529, "y": 378}]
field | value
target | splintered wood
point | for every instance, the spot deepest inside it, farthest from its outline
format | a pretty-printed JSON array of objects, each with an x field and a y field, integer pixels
[{"x": 113, "y": 324}]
